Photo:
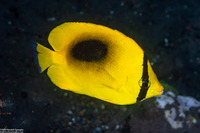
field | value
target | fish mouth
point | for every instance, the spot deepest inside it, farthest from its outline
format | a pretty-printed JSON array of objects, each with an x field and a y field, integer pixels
[{"x": 162, "y": 91}]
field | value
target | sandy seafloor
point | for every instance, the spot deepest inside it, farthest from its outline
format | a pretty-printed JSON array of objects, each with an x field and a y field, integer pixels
[{"x": 168, "y": 31}]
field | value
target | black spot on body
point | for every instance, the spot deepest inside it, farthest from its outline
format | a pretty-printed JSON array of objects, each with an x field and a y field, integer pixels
[{"x": 89, "y": 50}]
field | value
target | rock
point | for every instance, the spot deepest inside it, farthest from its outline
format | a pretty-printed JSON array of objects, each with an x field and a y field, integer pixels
[
  {"x": 166, "y": 113},
  {"x": 171, "y": 115},
  {"x": 178, "y": 113},
  {"x": 187, "y": 102},
  {"x": 164, "y": 100}
]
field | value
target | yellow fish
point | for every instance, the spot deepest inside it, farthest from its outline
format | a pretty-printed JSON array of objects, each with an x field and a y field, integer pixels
[{"x": 99, "y": 62}]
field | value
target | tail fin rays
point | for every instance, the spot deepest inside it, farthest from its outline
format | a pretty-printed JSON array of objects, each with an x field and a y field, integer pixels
[{"x": 42, "y": 56}]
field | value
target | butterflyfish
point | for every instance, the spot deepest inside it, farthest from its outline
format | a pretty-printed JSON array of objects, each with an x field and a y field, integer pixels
[{"x": 99, "y": 62}]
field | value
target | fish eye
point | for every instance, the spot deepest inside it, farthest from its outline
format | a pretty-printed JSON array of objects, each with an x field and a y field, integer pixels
[{"x": 144, "y": 83}]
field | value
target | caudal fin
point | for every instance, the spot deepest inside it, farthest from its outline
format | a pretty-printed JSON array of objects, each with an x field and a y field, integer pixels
[{"x": 42, "y": 56}]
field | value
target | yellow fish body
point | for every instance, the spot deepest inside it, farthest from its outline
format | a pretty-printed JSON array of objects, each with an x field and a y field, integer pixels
[{"x": 99, "y": 62}]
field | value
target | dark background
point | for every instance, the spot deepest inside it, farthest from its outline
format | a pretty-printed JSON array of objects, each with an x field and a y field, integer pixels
[{"x": 168, "y": 31}]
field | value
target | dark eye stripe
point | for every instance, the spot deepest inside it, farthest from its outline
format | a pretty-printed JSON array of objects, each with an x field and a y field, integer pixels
[{"x": 145, "y": 80}]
